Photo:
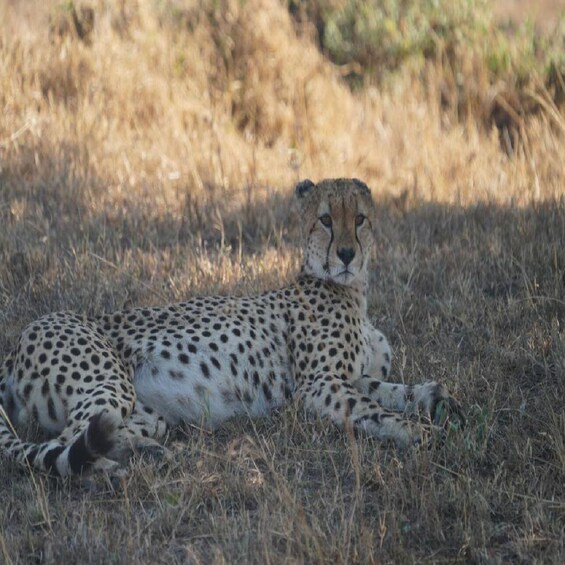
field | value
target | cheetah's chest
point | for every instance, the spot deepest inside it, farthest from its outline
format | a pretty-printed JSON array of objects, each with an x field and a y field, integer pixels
[{"x": 334, "y": 343}]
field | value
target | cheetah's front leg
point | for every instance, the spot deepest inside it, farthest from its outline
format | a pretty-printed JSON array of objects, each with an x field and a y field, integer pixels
[
  {"x": 332, "y": 396},
  {"x": 430, "y": 399}
]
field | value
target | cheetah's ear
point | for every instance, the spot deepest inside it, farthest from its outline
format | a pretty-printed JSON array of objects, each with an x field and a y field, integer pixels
[
  {"x": 362, "y": 186},
  {"x": 303, "y": 188}
]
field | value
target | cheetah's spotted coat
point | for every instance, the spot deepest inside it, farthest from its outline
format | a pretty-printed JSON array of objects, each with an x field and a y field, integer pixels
[{"x": 106, "y": 384}]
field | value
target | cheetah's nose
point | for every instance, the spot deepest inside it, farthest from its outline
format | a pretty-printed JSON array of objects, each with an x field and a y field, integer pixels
[{"x": 346, "y": 255}]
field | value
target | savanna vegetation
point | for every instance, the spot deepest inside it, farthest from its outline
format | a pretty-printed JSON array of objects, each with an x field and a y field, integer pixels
[{"x": 148, "y": 152}]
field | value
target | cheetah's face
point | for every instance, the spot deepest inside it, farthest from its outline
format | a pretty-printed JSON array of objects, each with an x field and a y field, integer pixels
[{"x": 337, "y": 216}]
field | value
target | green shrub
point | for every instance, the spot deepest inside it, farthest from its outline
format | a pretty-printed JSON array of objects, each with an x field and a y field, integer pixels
[
  {"x": 377, "y": 37},
  {"x": 492, "y": 71}
]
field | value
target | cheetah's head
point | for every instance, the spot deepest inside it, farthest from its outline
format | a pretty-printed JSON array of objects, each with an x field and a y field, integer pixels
[{"x": 337, "y": 217}]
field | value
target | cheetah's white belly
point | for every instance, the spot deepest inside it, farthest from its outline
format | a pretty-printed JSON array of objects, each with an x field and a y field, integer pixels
[{"x": 181, "y": 395}]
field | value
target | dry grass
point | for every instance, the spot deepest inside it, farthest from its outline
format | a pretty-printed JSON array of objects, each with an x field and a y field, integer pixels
[
  {"x": 151, "y": 160},
  {"x": 543, "y": 13}
]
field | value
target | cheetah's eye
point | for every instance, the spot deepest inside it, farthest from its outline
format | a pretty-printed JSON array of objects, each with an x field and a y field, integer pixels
[
  {"x": 326, "y": 220},
  {"x": 359, "y": 219}
]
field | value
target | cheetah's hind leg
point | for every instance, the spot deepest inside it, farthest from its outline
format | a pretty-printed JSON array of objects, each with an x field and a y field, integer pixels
[{"x": 141, "y": 434}]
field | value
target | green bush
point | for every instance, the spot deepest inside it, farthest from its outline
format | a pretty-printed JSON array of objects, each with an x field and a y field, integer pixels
[
  {"x": 492, "y": 71},
  {"x": 379, "y": 37}
]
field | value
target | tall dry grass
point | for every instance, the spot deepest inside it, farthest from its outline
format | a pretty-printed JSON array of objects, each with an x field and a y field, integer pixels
[
  {"x": 147, "y": 154},
  {"x": 158, "y": 100}
]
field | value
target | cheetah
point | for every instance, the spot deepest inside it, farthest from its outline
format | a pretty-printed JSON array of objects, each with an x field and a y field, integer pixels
[{"x": 103, "y": 386}]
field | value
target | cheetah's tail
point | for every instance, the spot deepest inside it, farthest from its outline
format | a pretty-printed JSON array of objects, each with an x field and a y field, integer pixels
[{"x": 95, "y": 441}]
